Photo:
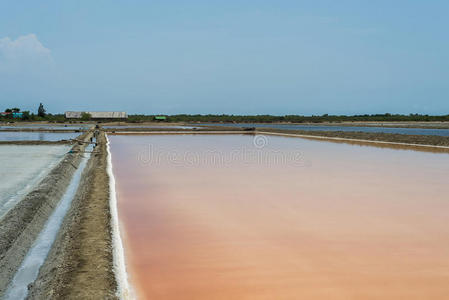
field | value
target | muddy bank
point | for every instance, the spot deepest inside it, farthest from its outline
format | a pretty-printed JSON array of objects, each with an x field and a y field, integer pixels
[
  {"x": 21, "y": 225},
  {"x": 389, "y": 124},
  {"x": 80, "y": 263},
  {"x": 165, "y": 129},
  {"x": 370, "y": 136}
]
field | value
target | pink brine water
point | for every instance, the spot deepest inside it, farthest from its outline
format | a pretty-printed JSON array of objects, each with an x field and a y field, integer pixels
[{"x": 239, "y": 217}]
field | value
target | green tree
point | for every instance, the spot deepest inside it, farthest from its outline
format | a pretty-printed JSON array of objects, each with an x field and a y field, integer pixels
[
  {"x": 26, "y": 115},
  {"x": 85, "y": 116},
  {"x": 41, "y": 111}
]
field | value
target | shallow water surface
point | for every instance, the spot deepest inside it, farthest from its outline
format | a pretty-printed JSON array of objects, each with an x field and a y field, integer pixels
[
  {"x": 47, "y": 126},
  {"x": 244, "y": 217},
  {"x": 397, "y": 130},
  {"x": 148, "y": 126},
  {"x": 37, "y": 136}
]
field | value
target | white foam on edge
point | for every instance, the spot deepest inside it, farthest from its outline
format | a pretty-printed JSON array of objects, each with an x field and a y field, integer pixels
[{"x": 124, "y": 291}]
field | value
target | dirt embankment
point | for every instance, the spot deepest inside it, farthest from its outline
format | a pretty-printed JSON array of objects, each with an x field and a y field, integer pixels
[
  {"x": 22, "y": 224},
  {"x": 80, "y": 263},
  {"x": 165, "y": 129},
  {"x": 387, "y": 124},
  {"x": 432, "y": 140}
]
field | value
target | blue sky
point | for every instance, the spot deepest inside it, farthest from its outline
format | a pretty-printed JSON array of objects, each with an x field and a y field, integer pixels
[{"x": 240, "y": 57}]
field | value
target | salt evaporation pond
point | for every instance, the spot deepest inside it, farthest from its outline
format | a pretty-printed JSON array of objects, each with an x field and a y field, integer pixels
[
  {"x": 370, "y": 129},
  {"x": 22, "y": 168},
  {"x": 36, "y": 136},
  {"x": 229, "y": 217},
  {"x": 36, "y": 256},
  {"x": 48, "y": 126},
  {"x": 147, "y": 126}
]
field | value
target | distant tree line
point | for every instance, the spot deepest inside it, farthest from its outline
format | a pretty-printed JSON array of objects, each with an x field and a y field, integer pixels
[
  {"x": 42, "y": 115},
  {"x": 10, "y": 115},
  {"x": 288, "y": 118}
]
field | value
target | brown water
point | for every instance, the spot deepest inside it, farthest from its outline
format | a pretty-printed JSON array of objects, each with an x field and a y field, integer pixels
[{"x": 214, "y": 217}]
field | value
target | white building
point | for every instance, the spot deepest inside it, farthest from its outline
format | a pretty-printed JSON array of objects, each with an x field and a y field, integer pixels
[{"x": 97, "y": 114}]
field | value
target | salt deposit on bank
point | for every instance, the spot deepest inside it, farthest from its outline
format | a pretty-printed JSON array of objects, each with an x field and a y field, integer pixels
[
  {"x": 22, "y": 168},
  {"x": 123, "y": 291},
  {"x": 36, "y": 256}
]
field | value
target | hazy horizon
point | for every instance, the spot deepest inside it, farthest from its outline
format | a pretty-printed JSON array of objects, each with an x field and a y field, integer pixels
[{"x": 242, "y": 58}]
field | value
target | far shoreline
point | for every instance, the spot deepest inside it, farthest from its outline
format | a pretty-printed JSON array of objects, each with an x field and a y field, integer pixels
[{"x": 386, "y": 124}]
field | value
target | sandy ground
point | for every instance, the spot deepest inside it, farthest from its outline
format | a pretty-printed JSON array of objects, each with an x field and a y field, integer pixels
[
  {"x": 21, "y": 225},
  {"x": 79, "y": 265}
]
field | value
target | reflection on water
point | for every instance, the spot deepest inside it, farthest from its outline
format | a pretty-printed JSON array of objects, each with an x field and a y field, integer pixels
[
  {"x": 36, "y": 136},
  {"x": 47, "y": 126},
  {"x": 398, "y": 130},
  {"x": 147, "y": 126},
  {"x": 349, "y": 222}
]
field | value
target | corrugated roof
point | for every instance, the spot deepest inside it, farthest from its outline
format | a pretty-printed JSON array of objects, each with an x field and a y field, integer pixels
[{"x": 97, "y": 114}]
